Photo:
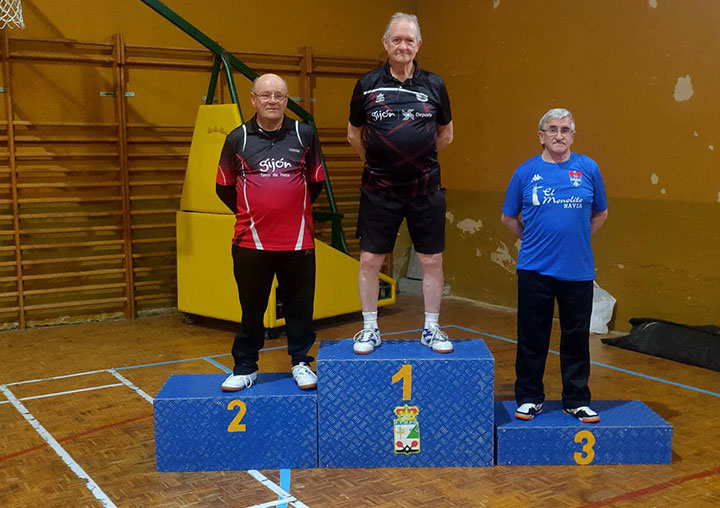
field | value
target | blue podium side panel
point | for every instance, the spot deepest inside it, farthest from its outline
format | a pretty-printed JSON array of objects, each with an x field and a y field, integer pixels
[
  {"x": 438, "y": 412},
  {"x": 629, "y": 432},
  {"x": 198, "y": 427}
]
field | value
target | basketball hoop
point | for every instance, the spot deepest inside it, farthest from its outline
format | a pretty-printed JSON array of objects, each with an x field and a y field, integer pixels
[{"x": 11, "y": 14}]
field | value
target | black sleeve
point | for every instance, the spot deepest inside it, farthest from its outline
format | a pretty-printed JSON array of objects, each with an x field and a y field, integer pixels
[
  {"x": 228, "y": 195},
  {"x": 444, "y": 116},
  {"x": 315, "y": 190},
  {"x": 357, "y": 106}
]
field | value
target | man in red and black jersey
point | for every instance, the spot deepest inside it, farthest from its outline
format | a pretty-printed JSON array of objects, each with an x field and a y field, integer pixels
[
  {"x": 269, "y": 174},
  {"x": 399, "y": 119}
]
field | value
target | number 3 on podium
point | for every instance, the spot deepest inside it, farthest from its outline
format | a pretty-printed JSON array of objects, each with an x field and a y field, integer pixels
[
  {"x": 404, "y": 374},
  {"x": 235, "y": 425},
  {"x": 587, "y": 454}
]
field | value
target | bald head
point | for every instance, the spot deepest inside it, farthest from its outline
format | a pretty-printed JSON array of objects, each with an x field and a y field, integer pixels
[
  {"x": 269, "y": 97},
  {"x": 269, "y": 80}
]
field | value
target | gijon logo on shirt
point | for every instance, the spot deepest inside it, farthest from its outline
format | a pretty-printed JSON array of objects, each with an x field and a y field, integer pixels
[
  {"x": 381, "y": 114},
  {"x": 273, "y": 164}
]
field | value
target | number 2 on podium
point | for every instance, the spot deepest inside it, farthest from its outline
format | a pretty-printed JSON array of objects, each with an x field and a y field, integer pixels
[
  {"x": 405, "y": 373},
  {"x": 235, "y": 425}
]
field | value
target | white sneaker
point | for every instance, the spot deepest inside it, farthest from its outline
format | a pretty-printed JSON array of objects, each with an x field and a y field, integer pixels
[
  {"x": 304, "y": 376},
  {"x": 235, "y": 383},
  {"x": 366, "y": 340},
  {"x": 437, "y": 340}
]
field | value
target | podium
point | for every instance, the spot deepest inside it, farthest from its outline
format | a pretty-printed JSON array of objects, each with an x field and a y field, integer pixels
[
  {"x": 198, "y": 427},
  {"x": 629, "y": 432},
  {"x": 405, "y": 406}
]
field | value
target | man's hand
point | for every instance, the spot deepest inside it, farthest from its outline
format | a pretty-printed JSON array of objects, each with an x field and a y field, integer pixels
[
  {"x": 445, "y": 135},
  {"x": 355, "y": 138},
  {"x": 513, "y": 224},
  {"x": 597, "y": 219}
]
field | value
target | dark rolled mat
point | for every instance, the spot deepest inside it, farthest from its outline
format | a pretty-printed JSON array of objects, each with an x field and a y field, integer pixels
[{"x": 693, "y": 345}]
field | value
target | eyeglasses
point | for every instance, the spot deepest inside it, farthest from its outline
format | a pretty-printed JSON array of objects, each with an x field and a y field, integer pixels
[
  {"x": 554, "y": 131},
  {"x": 265, "y": 97}
]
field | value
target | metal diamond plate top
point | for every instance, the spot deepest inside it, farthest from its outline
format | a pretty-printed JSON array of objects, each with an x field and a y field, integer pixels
[
  {"x": 190, "y": 386},
  {"x": 450, "y": 397},
  {"x": 472, "y": 349},
  {"x": 613, "y": 413},
  {"x": 628, "y": 432}
]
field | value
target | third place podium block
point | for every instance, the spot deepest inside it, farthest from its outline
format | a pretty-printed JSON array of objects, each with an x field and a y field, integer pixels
[
  {"x": 405, "y": 406},
  {"x": 629, "y": 432},
  {"x": 198, "y": 427}
]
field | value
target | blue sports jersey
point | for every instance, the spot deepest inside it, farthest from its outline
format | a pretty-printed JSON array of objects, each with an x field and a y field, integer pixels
[{"x": 556, "y": 200}]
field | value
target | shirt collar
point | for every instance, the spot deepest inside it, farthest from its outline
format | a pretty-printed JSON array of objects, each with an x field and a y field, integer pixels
[
  {"x": 254, "y": 128},
  {"x": 409, "y": 81}
]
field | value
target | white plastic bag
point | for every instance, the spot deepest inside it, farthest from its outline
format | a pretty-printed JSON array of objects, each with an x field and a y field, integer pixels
[{"x": 602, "y": 309}]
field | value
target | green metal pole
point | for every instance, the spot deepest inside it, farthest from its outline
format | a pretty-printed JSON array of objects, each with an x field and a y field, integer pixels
[
  {"x": 230, "y": 61},
  {"x": 231, "y": 84},
  {"x": 210, "y": 97}
]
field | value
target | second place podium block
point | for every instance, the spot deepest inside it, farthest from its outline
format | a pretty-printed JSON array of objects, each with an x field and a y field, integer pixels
[
  {"x": 198, "y": 427},
  {"x": 405, "y": 406}
]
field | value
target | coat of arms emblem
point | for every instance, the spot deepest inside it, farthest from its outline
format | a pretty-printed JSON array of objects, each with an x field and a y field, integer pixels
[{"x": 406, "y": 430}]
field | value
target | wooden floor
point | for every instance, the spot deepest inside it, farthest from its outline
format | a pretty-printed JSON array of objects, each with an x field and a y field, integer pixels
[{"x": 79, "y": 448}]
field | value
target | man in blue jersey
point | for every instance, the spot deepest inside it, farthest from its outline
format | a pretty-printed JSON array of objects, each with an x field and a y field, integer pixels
[
  {"x": 399, "y": 119},
  {"x": 561, "y": 197}
]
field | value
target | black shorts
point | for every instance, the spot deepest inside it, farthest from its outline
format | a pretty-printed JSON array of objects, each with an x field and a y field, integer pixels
[{"x": 380, "y": 217}]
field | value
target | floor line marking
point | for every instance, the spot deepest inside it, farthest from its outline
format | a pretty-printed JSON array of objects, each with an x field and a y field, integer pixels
[
  {"x": 129, "y": 384},
  {"x": 607, "y": 366},
  {"x": 284, "y": 484},
  {"x": 274, "y": 503},
  {"x": 66, "y": 458},
  {"x": 652, "y": 489},
  {"x": 56, "y": 377},
  {"x": 55, "y": 394},
  {"x": 275, "y": 488},
  {"x": 218, "y": 364},
  {"x": 75, "y": 436}
]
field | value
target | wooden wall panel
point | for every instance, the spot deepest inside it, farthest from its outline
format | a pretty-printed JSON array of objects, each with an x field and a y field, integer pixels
[{"x": 89, "y": 191}]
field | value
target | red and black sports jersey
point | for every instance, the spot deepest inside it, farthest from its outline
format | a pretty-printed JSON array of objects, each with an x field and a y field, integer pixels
[
  {"x": 400, "y": 122},
  {"x": 271, "y": 171}
]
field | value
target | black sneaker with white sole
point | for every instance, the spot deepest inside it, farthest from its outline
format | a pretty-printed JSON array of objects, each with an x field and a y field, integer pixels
[
  {"x": 583, "y": 413},
  {"x": 528, "y": 411}
]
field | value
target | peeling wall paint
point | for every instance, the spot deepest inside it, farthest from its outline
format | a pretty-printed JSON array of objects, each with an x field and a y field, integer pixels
[
  {"x": 496, "y": 4},
  {"x": 683, "y": 89},
  {"x": 450, "y": 217},
  {"x": 502, "y": 257},
  {"x": 654, "y": 179},
  {"x": 652, "y": 3},
  {"x": 469, "y": 226}
]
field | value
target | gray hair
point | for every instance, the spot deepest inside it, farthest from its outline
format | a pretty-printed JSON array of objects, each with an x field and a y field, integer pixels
[
  {"x": 556, "y": 113},
  {"x": 407, "y": 17}
]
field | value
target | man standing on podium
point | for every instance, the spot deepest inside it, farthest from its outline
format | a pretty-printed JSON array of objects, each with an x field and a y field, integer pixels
[
  {"x": 561, "y": 196},
  {"x": 399, "y": 119},
  {"x": 269, "y": 174}
]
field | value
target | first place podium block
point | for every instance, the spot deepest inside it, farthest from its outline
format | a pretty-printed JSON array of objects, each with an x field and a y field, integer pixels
[
  {"x": 629, "y": 432},
  {"x": 405, "y": 406},
  {"x": 198, "y": 427}
]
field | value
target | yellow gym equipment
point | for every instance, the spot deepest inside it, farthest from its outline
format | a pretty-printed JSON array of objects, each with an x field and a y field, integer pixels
[{"x": 206, "y": 286}]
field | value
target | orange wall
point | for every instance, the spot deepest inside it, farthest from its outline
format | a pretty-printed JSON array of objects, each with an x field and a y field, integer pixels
[{"x": 616, "y": 65}]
